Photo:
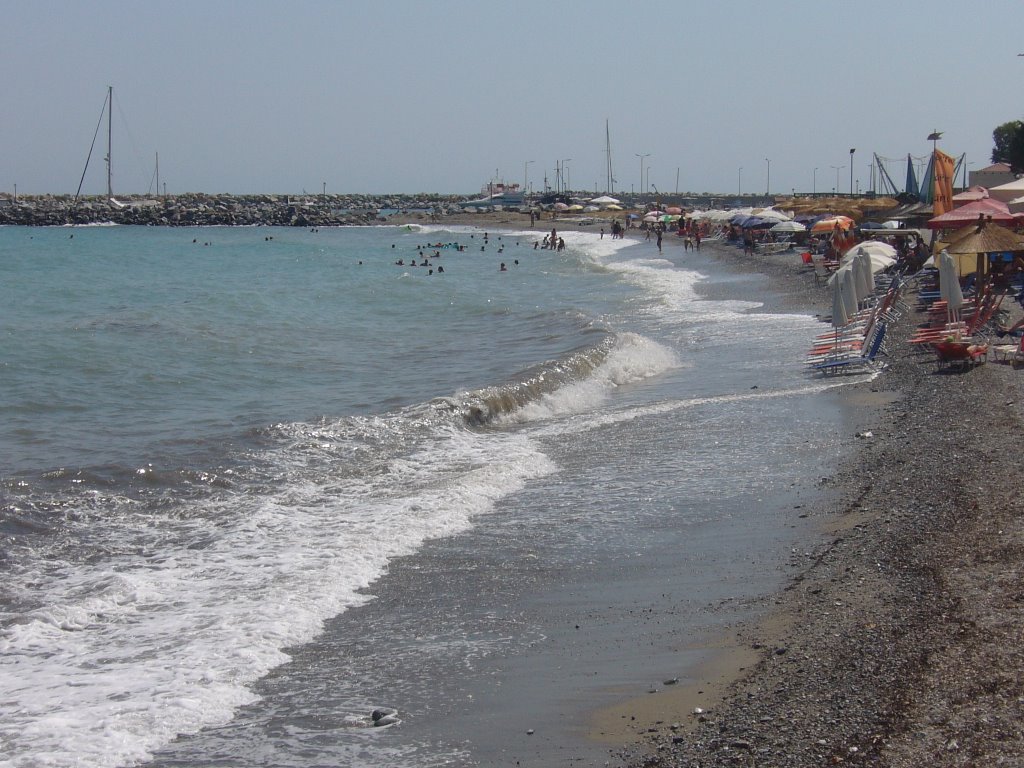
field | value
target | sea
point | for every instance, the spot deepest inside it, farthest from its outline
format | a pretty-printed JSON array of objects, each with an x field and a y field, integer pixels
[{"x": 257, "y": 483}]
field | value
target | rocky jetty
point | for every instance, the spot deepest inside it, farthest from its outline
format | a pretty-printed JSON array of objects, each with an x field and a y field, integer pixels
[{"x": 223, "y": 210}]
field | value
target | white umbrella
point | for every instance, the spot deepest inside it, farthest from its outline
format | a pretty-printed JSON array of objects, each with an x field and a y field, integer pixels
[
  {"x": 788, "y": 226},
  {"x": 772, "y": 214},
  {"x": 879, "y": 261},
  {"x": 865, "y": 277},
  {"x": 846, "y": 279},
  {"x": 604, "y": 200},
  {"x": 949, "y": 286},
  {"x": 839, "y": 314},
  {"x": 877, "y": 246}
]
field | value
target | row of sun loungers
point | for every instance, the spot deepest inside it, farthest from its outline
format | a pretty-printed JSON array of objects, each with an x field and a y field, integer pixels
[{"x": 958, "y": 338}]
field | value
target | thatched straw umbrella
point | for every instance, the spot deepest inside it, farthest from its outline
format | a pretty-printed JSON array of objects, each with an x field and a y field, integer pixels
[{"x": 980, "y": 239}]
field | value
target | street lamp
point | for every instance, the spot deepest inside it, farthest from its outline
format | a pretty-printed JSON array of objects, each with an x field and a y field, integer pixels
[
  {"x": 837, "y": 169},
  {"x": 526, "y": 178},
  {"x": 565, "y": 170},
  {"x": 739, "y": 182},
  {"x": 814, "y": 182},
  {"x": 768, "y": 182},
  {"x": 852, "y": 150},
  {"x": 642, "y": 168}
]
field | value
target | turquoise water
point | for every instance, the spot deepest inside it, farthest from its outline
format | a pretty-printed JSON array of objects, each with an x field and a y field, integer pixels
[{"x": 215, "y": 442}]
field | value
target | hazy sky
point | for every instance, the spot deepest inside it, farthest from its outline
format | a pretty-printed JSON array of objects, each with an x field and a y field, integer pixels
[{"x": 440, "y": 95}]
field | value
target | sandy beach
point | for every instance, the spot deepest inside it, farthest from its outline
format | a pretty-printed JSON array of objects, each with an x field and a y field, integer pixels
[{"x": 898, "y": 640}]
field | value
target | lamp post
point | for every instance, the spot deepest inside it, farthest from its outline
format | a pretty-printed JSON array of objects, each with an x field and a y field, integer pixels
[
  {"x": 837, "y": 169},
  {"x": 852, "y": 150},
  {"x": 565, "y": 171},
  {"x": 739, "y": 182},
  {"x": 814, "y": 182},
  {"x": 526, "y": 170},
  {"x": 768, "y": 181},
  {"x": 642, "y": 168}
]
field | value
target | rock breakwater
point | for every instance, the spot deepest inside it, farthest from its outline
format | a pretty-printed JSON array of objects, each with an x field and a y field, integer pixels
[{"x": 224, "y": 210}]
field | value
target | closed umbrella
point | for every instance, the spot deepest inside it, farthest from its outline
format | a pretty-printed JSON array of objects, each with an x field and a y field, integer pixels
[
  {"x": 840, "y": 315},
  {"x": 865, "y": 277},
  {"x": 846, "y": 279},
  {"x": 949, "y": 287}
]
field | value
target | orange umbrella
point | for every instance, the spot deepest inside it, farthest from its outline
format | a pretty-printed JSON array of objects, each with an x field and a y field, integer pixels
[{"x": 829, "y": 224}]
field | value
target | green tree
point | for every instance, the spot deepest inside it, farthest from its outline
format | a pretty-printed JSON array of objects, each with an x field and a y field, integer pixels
[{"x": 1003, "y": 139}]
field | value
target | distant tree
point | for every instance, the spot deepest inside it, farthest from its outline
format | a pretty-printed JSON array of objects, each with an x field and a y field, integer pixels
[
  {"x": 1017, "y": 151},
  {"x": 1003, "y": 138}
]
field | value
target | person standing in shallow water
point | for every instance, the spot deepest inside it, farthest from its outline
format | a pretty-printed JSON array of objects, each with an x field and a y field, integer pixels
[{"x": 659, "y": 239}]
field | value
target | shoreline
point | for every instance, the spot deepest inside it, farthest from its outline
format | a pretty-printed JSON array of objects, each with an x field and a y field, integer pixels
[{"x": 891, "y": 644}]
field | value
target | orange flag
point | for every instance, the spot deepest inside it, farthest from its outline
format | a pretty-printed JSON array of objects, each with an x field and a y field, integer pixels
[{"x": 944, "y": 167}]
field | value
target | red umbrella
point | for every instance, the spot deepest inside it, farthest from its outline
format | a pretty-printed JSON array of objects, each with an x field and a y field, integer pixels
[{"x": 968, "y": 214}]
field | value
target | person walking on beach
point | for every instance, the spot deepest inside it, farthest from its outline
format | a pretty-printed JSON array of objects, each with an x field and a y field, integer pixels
[{"x": 659, "y": 239}]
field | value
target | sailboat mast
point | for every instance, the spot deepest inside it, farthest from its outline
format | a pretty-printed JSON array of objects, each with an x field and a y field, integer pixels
[
  {"x": 158, "y": 174},
  {"x": 110, "y": 121},
  {"x": 608, "y": 152}
]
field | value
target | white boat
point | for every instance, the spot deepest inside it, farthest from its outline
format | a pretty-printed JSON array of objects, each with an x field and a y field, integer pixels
[{"x": 497, "y": 195}]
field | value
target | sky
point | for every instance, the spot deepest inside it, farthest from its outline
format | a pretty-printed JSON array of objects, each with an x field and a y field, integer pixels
[{"x": 412, "y": 96}]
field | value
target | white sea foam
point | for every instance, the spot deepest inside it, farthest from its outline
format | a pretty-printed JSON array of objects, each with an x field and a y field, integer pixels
[
  {"x": 117, "y": 661},
  {"x": 632, "y": 359}
]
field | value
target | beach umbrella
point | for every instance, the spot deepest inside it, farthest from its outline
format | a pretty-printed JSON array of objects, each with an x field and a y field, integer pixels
[
  {"x": 673, "y": 209},
  {"x": 772, "y": 214},
  {"x": 877, "y": 246},
  {"x": 865, "y": 275},
  {"x": 840, "y": 315},
  {"x": 604, "y": 200},
  {"x": 788, "y": 226},
  {"x": 980, "y": 210},
  {"x": 613, "y": 207},
  {"x": 845, "y": 278},
  {"x": 561, "y": 207},
  {"x": 949, "y": 287},
  {"x": 979, "y": 239},
  {"x": 830, "y": 223}
]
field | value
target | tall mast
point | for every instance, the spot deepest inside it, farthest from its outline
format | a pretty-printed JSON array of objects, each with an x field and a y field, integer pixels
[
  {"x": 110, "y": 120},
  {"x": 608, "y": 152},
  {"x": 158, "y": 174}
]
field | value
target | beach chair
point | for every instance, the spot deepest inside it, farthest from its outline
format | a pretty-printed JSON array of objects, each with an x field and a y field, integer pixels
[
  {"x": 1009, "y": 353},
  {"x": 961, "y": 354},
  {"x": 855, "y": 363},
  {"x": 821, "y": 271}
]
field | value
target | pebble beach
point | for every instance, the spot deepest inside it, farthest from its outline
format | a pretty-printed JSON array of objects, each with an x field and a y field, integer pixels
[{"x": 897, "y": 642}]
